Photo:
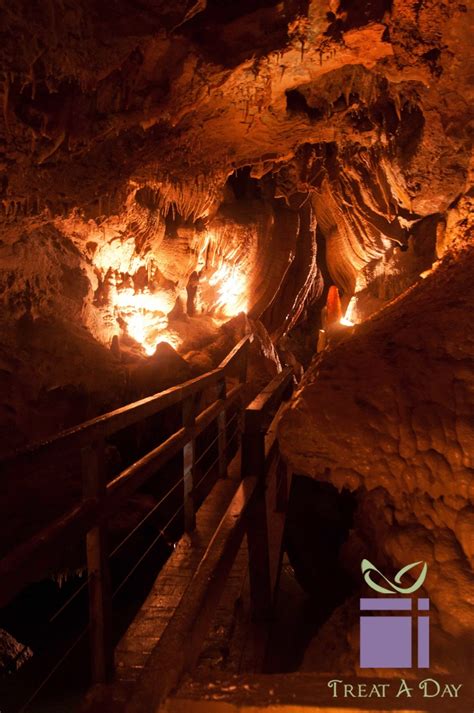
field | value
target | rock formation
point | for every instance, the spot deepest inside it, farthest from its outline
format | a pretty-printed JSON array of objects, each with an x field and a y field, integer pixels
[
  {"x": 387, "y": 413},
  {"x": 168, "y": 166}
]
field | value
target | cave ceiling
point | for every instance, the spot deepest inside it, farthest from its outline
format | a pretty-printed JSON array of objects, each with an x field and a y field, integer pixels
[
  {"x": 101, "y": 97},
  {"x": 126, "y": 122}
]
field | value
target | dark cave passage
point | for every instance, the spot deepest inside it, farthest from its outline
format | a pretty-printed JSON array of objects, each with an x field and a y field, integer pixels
[{"x": 318, "y": 522}]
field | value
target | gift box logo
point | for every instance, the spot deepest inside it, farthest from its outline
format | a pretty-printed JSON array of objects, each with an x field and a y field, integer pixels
[{"x": 400, "y": 635}]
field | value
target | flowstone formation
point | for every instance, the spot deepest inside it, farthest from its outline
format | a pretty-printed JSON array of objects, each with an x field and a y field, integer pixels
[{"x": 387, "y": 414}]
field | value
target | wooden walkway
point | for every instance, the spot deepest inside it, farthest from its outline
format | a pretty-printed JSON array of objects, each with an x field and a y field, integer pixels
[
  {"x": 165, "y": 640},
  {"x": 231, "y": 551}
]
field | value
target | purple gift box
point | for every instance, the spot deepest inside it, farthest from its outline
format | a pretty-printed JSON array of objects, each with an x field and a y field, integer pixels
[{"x": 394, "y": 640}]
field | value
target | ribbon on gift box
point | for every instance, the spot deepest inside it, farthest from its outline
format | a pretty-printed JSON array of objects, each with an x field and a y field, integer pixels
[{"x": 367, "y": 569}]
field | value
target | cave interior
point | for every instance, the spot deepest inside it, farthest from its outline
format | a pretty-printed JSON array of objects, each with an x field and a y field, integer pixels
[{"x": 178, "y": 175}]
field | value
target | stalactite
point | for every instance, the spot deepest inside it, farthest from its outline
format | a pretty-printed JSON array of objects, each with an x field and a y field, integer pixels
[{"x": 397, "y": 104}]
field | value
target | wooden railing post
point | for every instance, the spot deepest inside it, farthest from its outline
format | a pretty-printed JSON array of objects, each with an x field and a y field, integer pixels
[
  {"x": 222, "y": 429},
  {"x": 189, "y": 466},
  {"x": 100, "y": 600},
  {"x": 253, "y": 451},
  {"x": 253, "y": 464}
]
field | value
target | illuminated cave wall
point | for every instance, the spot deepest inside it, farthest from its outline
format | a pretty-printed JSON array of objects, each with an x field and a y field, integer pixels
[
  {"x": 163, "y": 168},
  {"x": 122, "y": 133}
]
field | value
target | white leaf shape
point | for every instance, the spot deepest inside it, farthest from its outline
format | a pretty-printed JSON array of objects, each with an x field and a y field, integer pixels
[{"x": 367, "y": 568}]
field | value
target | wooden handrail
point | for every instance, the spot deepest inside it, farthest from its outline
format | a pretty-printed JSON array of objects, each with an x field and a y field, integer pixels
[
  {"x": 247, "y": 513},
  {"x": 261, "y": 412},
  {"x": 31, "y": 559},
  {"x": 235, "y": 356},
  {"x": 74, "y": 524},
  {"x": 135, "y": 475},
  {"x": 182, "y": 639},
  {"x": 110, "y": 423},
  {"x": 179, "y": 647}
]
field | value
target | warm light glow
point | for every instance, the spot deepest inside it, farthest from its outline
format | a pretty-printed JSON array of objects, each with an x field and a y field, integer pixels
[
  {"x": 148, "y": 332},
  {"x": 143, "y": 300},
  {"x": 223, "y": 281},
  {"x": 347, "y": 319},
  {"x": 140, "y": 298},
  {"x": 136, "y": 326},
  {"x": 144, "y": 314},
  {"x": 119, "y": 255},
  {"x": 231, "y": 286}
]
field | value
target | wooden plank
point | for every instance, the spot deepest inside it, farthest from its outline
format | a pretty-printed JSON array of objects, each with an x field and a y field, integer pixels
[
  {"x": 260, "y": 413},
  {"x": 30, "y": 560},
  {"x": 253, "y": 454},
  {"x": 276, "y": 529},
  {"x": 259, "y": 560},
  {"x": 258, "y": 458},
  {"x": 253, "y": 464},
  {"x": 138, "y": 473},
  {"x": 244, "y": 361},
  {"x": 283, "y": 476},
  {"x": 181, "y": 642},
  {"x": 206, "y": 417},
  {"x": 100, "y": 597},
  {"x": 271, "y": 451},
  {"x": 277, "y": 477},
  {"x": 109, "y": 423}
]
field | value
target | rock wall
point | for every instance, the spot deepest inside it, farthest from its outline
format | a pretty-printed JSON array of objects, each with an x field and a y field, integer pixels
[{"x": 388, "y": 413}]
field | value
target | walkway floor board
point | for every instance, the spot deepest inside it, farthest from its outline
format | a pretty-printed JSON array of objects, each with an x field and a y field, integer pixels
[{"x": 159, "y": 607}]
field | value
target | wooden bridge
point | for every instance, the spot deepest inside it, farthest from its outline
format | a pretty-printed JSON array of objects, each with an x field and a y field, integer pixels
[
  {"x": 153, "y": 668},
  {"x": 88, "y": 519}
]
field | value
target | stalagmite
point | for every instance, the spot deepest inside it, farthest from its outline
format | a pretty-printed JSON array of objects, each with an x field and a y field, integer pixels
[{"x": 333, "y": 307}]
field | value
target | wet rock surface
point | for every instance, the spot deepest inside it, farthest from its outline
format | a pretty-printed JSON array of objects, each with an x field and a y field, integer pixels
[
  {"x": 12, "y": 654},
  {"x": 388, "y": 414}
]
